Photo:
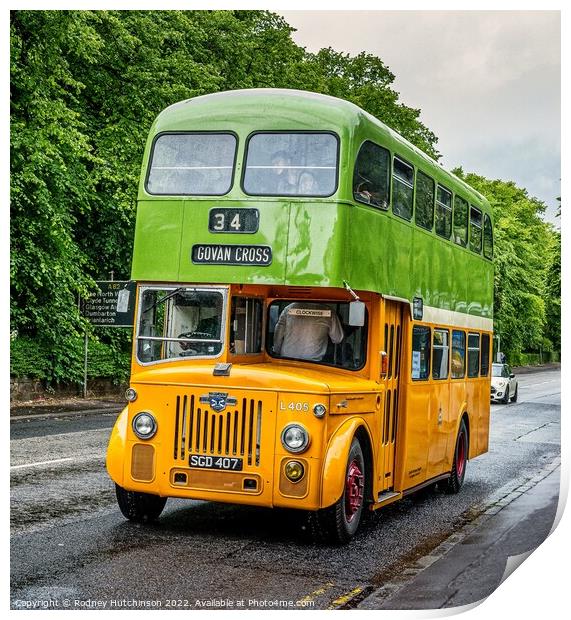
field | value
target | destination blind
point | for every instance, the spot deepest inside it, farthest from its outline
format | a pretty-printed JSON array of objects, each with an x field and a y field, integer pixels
[{"x": 220, "y": 254}]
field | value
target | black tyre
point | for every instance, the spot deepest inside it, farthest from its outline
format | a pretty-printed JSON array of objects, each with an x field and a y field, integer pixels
[
  {"x": 339, "y": 523},
  {"x": 456, "y": 479},
  {"x": 506, "y": 398},
  {"x": 514, "y": 397},
  {"x": 139, "y": 507}
]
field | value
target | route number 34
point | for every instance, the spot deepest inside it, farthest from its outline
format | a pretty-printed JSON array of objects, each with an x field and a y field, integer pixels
[{"x": 220, "y": 220}]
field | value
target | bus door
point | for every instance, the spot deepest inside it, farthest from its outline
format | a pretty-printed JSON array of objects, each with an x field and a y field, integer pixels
[{"x": 392, "y": 339}]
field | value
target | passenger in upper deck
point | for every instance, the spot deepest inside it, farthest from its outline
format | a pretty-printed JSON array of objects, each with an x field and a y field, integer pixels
[
  {"x": 291, "y": 180},
  {"x": 303, "y": 331}
]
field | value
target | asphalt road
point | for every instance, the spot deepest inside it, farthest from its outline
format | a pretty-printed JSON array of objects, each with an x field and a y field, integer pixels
[{"x": 71, "y": 547}]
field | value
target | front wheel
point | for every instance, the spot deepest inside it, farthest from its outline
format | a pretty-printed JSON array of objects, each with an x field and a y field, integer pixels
[
  {"x": 456, "y": 479},
  {"x": 139, "y": 507},
  {"x": 514, "y": 397},
  {"x": 339, "y": 523}
]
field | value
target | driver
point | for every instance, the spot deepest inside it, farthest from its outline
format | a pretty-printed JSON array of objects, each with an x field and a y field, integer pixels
[{"x": 205, "y": 326}]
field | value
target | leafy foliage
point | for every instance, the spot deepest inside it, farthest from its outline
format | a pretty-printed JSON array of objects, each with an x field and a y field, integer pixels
[{"x": 527, "y": 257}]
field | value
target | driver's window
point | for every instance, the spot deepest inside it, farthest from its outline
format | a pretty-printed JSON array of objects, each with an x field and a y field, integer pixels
[
  {"x": 506, "y": 372},
  {"x": 246, "y": 325}
]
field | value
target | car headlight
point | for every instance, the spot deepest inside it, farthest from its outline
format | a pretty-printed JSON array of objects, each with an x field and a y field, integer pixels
[
  {"x": 144, "y": 425},
  {"x": 295, "y": 438},
  {"x": 501, "y": 383}
]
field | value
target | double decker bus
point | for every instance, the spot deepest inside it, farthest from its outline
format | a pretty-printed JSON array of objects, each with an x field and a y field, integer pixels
[{"x": 313, "y": 313}]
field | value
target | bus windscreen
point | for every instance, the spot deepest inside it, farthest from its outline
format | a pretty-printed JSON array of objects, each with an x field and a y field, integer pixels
[
  {"x": 291, "y": 164},
  {"x": 192, "y": 164}
]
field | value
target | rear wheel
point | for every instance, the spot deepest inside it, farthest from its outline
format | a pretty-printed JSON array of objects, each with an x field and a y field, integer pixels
[
  {"x": 456, "y": 479},
  {"x": 339, "y": 523},
  {"x": 139, "y": 507}
]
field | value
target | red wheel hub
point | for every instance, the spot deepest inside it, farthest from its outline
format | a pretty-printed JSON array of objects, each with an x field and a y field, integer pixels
[
  {"x": 461, "y": 455},
  {"x": 354, "y": 486}
]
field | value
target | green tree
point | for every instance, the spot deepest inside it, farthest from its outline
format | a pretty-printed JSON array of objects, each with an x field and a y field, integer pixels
[{"x": 523, "y": 256}]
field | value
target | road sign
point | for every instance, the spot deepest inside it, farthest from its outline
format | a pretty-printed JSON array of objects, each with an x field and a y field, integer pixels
[{"x": 113, "y": 305}]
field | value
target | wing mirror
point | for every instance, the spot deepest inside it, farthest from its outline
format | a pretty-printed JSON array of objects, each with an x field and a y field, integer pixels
[{"x": 357, "y": 314}]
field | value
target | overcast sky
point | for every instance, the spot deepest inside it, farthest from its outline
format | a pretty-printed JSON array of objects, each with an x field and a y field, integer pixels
[{"x": 487, "y": 82}]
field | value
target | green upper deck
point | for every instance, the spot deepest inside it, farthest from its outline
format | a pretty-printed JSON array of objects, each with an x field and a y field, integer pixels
[{"x": 315, "y": 241}]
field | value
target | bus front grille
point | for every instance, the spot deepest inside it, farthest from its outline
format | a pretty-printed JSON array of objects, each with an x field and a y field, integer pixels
[{"x": 236, "y": 431}]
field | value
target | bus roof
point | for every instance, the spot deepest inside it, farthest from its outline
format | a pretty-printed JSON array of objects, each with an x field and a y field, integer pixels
[{"x": 314, "y": 110}]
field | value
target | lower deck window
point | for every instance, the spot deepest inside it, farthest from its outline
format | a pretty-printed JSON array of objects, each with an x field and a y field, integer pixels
[
  {"x": 316, "y": 331},
  {"x": 473, "y": 354},
  {"x": 458, "y": 354},
  {"x": 420, "y": 353},
  {"x": 440, "y": 349},
  {"x": 246, "y": 326}
]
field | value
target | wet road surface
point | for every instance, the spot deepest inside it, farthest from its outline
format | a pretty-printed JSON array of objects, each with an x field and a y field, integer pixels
[{"x": 71, "y": 547}]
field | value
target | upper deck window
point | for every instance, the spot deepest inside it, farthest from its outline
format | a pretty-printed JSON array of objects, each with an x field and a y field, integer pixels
[
  {"x": 372, "y": 175},
  {"x": 443, "y": 212},
  {"x": 192, "y": 164},
  {"x": 291, "y": 164},
  {"x": 403, "y": 188}
]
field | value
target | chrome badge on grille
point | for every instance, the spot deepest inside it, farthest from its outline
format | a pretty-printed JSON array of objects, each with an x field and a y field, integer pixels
[{"x": 218, "y": 400}]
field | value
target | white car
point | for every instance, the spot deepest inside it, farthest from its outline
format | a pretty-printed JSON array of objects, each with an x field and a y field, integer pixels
[{"x": 504, "y": 384}]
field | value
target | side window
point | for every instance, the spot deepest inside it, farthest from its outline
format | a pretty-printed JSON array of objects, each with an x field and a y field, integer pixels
[
  {"x": 473, "y": 355},
  {"x": 424, "y": 201},
  {"x": 485, "y": 358},
  {"x": 488, "y": 238},
  {"x": 440, "y": 348},
  {"x": 372, "y": 175},
  {"x": 420, "y": 352},
  {"x": 458, "y": 354},
  {"x": 403, "y": 188},
  {"x": 443, "y": 212},
  {"x": 246, "y": 325},
  {"x": 460, "y": 221},
  {"x": 475, "y": 230}
]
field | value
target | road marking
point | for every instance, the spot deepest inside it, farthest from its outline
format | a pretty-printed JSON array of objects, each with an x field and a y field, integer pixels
[
  {"x": 39, "y": 463},
  {"x": 94, "y": 457},
  {"x": 303, "y": 602},
  {"x": 345, "y": 598}
]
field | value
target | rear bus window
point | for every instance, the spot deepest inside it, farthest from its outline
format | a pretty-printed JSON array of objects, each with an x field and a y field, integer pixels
[
  {"x": 291, "y": 164},
  {"x": 440, "y": 348},
  {"x": 192, "y": 164},
  {"x": 372, "y": 174},
  {"x": 403, "y": 188},
  {"x": 488, "y": 238},
  {"x": 485, "y": 356},
  {"x": 420, "y": 353},
  {"x": 458, "y": 354},
  {"x": 443, "y": 212}
]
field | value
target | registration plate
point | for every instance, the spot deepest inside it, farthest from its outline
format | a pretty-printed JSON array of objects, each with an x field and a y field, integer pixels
[{"x": 215, "y": 462}]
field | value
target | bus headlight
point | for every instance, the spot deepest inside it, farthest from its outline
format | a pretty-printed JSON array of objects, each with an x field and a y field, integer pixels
[
  {"x": 144, "y": 425},
  {"x": 294, "y": 471},
  {"x": 131, "y": 394},
  {"x": 295, "y": 438}
]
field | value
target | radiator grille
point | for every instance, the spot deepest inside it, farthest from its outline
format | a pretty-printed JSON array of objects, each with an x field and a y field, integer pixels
[{"x": 236, "y": 431}]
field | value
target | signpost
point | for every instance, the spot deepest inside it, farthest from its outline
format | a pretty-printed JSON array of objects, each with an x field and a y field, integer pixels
[{"x": 112, "y": 305}]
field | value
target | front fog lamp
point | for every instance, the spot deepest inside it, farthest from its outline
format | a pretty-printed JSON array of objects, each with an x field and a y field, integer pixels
[
  {"x": 144, "y": 425},
  {"x": 294, "y": 471},
  {"x": 295, "y": 438},
  {"x": 319, "y": 410},
  {"x": 131, "y": 394}
]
